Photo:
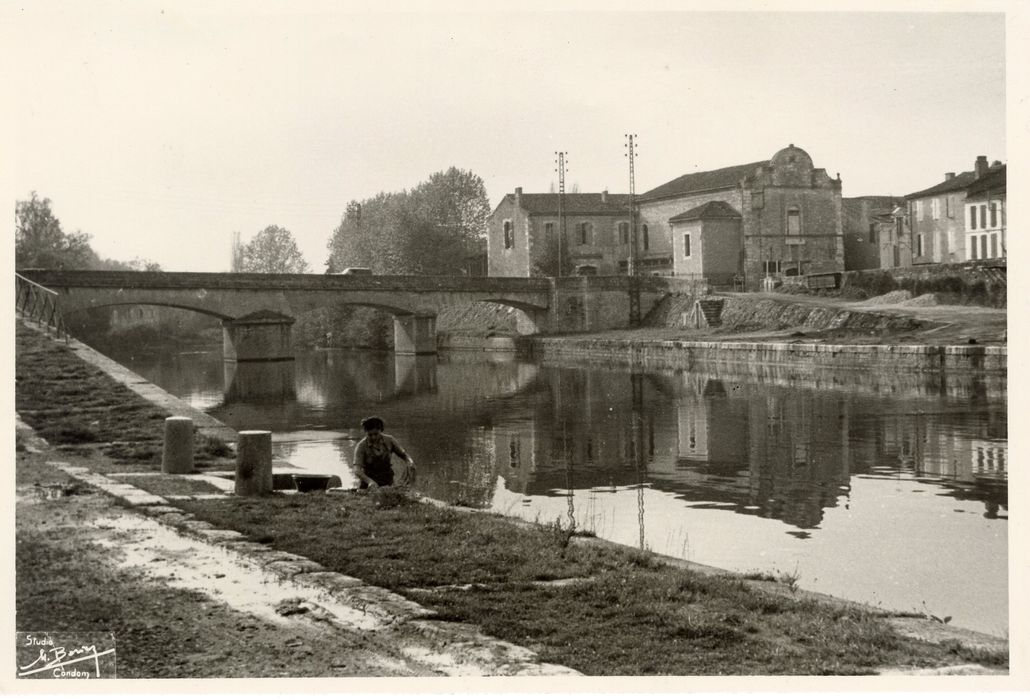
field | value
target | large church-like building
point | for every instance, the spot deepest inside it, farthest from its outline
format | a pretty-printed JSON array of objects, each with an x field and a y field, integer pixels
[{"x": 732, "y": 226}]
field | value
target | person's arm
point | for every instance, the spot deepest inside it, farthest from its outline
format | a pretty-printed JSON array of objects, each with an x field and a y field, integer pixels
[
  {"x": 399, "y": 451},
  {"x": 359, "y": 466}
]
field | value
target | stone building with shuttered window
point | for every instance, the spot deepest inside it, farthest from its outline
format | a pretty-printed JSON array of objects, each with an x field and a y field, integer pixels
[{"x": 523, "y": 241}]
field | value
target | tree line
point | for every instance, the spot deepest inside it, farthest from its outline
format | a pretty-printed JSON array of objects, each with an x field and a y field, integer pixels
[{"x": 431, "y": 229}]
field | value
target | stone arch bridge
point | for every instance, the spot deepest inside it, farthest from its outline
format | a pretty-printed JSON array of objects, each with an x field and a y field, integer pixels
[{"x": 258, "y": 310}]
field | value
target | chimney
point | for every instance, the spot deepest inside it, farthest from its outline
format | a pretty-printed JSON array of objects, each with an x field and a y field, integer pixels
[
  {"x": 981, "y": 166},
  {"x": 604, "y": 197},
  {"x": 518, "y": 197},
  {"x": 948, "y": 176},
  {"x": 996, "y": 164}
]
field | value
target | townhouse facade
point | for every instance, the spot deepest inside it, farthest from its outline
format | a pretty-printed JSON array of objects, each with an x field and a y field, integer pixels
[
  {"x": 985, "y": 216},
  {"x": 940, "y": 219}
]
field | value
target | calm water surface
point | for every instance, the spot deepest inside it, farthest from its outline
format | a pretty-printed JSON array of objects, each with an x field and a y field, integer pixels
[{"x": 895, "y": 499}]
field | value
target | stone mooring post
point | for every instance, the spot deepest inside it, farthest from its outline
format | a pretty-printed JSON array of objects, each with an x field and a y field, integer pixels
[
  {"x": 177, "y": 455},
  {"x": 254, "y": 463}
]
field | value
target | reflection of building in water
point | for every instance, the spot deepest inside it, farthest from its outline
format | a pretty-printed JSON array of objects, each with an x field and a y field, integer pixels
[
  {"x": 771, "y": 451},
  {"x": 990, "y": 457}
]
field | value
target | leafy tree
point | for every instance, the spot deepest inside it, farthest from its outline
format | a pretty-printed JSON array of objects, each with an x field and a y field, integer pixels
[
  {"x": 273, "y": 250},
  {"x": 39, "y": 240},
  {"x": 428, "y": 230}
]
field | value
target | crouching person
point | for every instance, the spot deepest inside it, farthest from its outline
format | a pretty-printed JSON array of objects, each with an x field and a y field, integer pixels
[{"x": 372, "y": 457}]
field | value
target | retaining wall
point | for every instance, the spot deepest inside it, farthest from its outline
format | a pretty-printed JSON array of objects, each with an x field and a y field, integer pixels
[
  {"x": 706, "y": 354},
  {"x": 981, "y": 282}
]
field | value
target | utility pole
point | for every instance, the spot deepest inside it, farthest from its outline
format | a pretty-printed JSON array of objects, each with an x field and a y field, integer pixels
[
  {"x": 560, "y": 160},
  {"x": 631, "y": 151},
  {"x": 631, "y": 263}
]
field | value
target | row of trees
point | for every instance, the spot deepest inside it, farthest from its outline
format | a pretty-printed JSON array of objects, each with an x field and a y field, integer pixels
[{"x": 432, "y": 229}]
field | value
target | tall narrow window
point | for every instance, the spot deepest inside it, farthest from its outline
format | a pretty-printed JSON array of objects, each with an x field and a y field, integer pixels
[
  {"x": 983, "y": 216},
  {"x": 972, "y": 248},
  {"x": 994, "y": 214},
  {"x": 935, "y": 208},
  {"x": 647, "y": 237},
  {"x": 919, "y": 245},
  {"x": 872, "y": 233},
  {"x": 624, "y": 232},
  {"x": 549, "y": 229},
  {"x": 994, "y": 245},
  {"x": 793, "y": 222},
  {"x": 686, "y": 245},
  {"x": 972, "y": 218},
  {"x": 509, "y": 235},
  {"x": 983, "y": 246},
  {"x": 584, "y": 229},
  {"x": 919, "y": 210},
  {"x": 947, "y": 207}
]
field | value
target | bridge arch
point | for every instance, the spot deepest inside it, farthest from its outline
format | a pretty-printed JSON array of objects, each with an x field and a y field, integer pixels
[{"x": 73, "y": 309}]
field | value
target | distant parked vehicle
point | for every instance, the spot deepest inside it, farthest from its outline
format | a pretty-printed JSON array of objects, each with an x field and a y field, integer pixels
[{"x": 354, "y": 271}]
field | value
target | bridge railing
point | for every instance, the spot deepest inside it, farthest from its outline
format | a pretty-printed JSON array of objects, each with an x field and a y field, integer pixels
[{"x": 37, "y": 304}]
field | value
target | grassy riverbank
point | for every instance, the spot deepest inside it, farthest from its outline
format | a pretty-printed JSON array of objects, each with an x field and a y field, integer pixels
[
  {"x": 599, "y": 609},
  {"x": 79, "y": 407}
]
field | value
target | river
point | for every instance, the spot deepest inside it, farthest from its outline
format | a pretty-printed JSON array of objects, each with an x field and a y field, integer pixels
[{"x": 898, "y": 500}]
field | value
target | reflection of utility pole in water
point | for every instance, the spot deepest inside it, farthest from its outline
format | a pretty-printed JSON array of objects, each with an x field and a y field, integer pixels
[
  {"x": 566, "y": 457},
  {"x": 637, "y": 417}
]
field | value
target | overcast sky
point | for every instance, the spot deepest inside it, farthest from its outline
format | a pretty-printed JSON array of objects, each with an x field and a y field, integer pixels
[{"x": 162, "y": 128}]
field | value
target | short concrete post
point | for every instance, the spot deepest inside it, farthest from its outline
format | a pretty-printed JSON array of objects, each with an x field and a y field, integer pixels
[
  {"x": 177, "y": 457},
  {"x": 254, "y": 463}
]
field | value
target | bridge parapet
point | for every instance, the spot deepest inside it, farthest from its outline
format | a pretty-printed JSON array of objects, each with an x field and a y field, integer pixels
[{"x": 267, "y": 281}]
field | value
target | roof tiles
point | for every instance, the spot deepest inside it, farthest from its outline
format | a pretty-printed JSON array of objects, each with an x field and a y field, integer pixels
[{"x": 723, "y": 178}]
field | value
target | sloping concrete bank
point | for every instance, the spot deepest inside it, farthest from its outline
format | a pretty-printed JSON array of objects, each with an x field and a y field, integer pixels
[
  {"x": 205, "y": 424},
  {"x": 685, "y": 354}
]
